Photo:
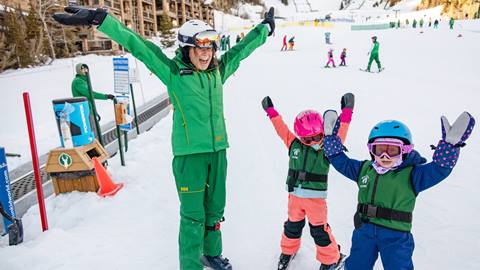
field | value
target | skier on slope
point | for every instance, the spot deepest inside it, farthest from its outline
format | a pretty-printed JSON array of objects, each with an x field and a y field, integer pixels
[
  {"x": 327, "y": 38},
  {"x": 343, "y": 57},
  {"x": 330, "y": 59},
  {"x": 307, "y": 182},
  {"x": 194, "y": 80},
  {"x": 291, "y": 43},
  {"x": 374, "y": 54},
  {"x": 388, "y": 187},
  {"x": 284, "y": 43}
]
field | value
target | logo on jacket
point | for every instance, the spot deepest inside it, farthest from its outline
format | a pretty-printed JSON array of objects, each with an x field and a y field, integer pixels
[
  {"x": 295, "y": 153},
  {"x": 364, "y": 181}
]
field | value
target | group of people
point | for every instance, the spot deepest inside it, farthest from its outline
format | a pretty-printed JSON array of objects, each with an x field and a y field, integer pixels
[
  {"x": 288, "y": 46},
  {"x": 225, "y": 43},
  {"x": 388, "y": 182},
  {"x": 343, "y": 57},
  {"x": 421, "y": 22}
]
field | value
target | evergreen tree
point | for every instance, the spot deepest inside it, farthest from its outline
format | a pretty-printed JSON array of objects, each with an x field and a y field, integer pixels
[
  {"x": 166, "y": 34},
  {"x": 34, "y": 34}
]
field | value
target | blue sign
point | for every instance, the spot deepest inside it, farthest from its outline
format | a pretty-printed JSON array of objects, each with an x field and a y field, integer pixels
[
  {"x": 5, "y": 193},
  {"x": 121, "y": 78}
]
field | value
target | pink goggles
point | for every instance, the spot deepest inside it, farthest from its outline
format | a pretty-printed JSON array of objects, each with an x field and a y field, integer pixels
[{"x": 389, "y": 147}]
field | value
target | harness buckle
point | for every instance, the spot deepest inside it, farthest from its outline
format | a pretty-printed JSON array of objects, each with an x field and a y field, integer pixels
[
  {"x": 371, "y": 211},
  {"x": 301, "y": 175}
]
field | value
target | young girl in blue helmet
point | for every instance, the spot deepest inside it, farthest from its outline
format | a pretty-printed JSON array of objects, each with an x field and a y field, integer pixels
[{"x": 389, "y": 184}]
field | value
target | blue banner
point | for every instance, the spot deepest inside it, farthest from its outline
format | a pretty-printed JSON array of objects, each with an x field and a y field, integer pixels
[{"x": 5, "y": 193}]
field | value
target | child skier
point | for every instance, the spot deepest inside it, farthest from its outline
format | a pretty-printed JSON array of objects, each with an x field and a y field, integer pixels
[
  {"x": 291, "y": 43},
  {"x": 327, "y": 38},
  {"x": 330, "y": 59},
  {"x": 389, "y": 184},
  {"x": 307, "y": 183},
  {"x": 343, "y": 56},
  {"x": 284, "y": 45}
]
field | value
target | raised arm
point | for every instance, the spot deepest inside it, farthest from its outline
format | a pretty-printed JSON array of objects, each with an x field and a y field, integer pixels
[
  {"x": 334, "y": 149},
  {"x": 230, "y": 60},
  {"x": 446, "y": 153},
  {"x": 144, "y": 50},
  {"x": 280, "y": 127},
  {"x": 347, "y": 103}
]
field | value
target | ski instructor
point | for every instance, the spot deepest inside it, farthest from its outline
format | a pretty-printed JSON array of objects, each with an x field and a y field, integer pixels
[{"x": 194, "y": 80}]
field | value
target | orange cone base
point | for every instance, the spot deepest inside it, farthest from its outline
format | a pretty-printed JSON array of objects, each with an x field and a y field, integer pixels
[
  {"x": 107, "y": 186},
  {"x": 106, "y": 193}
]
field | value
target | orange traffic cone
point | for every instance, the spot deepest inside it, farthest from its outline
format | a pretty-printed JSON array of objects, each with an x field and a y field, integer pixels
[{"x": 107, "y": 186}]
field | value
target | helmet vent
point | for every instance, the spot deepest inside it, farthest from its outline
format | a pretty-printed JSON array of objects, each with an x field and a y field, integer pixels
[{"x": 396, "y": 126}]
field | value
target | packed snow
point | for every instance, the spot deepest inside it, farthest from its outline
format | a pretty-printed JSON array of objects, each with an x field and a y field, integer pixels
[{"x": 428, "y": 73}]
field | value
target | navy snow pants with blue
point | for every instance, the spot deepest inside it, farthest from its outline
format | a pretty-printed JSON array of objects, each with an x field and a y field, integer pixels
[{"x": 395, "y": 248}]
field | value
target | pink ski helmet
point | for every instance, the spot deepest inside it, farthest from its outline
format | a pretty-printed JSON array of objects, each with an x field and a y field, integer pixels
[{"x": 308, "y": 123}]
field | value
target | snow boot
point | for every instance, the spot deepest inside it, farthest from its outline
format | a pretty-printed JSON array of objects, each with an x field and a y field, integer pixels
[
  {"x": 216, "y": 262},
  {"x": 335, "y": 266},
  {"x": 284, "y": 261}
]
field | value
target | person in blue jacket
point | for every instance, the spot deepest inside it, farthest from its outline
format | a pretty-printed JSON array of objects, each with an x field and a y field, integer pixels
[{"x": 389, "y": 184}]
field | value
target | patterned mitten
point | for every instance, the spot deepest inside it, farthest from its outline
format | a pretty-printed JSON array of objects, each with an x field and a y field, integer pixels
[
  {"x": 453, "y": 137},
  {"x": 332, "y": 144}
]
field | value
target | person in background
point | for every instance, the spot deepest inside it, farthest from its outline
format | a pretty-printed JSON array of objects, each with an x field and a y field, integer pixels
[
  {"x": 284, "y": 45},
  {"x": 80, "y": 88}
]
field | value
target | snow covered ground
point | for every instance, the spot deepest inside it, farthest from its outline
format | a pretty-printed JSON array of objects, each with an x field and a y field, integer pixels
[
  {"x": 47, "y": 83},
  {"x": 427, "y": 74}
]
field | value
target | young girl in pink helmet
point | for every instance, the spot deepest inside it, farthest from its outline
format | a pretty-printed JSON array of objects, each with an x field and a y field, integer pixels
[
  {"x": 307, "y": 182},
  {"x": 330, "y": 59}
]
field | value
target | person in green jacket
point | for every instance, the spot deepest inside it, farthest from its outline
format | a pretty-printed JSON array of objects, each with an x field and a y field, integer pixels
[
  {"x": 451, "y": 22},
  {"x": 80, "y": 89},
  {"x": 194, "y": 80},
  {"x": 374, "y": 54}
]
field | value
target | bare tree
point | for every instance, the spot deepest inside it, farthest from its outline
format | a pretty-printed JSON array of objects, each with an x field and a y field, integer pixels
[{"x": 43, "y": 6}]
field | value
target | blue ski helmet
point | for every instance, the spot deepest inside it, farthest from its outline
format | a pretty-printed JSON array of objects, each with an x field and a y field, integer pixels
[{"x": 391, "y": 129}]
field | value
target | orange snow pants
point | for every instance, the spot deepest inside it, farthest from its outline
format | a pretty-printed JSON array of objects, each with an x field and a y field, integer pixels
[{"x": 316, "y": 211}]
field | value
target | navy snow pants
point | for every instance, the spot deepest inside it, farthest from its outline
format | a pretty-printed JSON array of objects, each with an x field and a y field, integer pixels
[{"x": 395, "y": 248}]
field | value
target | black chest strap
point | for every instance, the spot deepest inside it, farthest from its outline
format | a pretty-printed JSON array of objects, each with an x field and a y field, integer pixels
[
  {"x": 304, "y": 177},
  {"x": 372, "y": 211}
]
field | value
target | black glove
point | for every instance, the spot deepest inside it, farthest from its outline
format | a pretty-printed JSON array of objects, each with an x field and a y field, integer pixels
[
  {"x": 81, "y": 16},
  {"x": 110, "y": 96},
  {"x": 270, "y": 20},
  {"x": 348, "y": 101},
  {"x": 267, "y": 103}
]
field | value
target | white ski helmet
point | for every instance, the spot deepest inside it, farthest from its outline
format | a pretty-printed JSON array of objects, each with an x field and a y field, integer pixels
[{"x": 187, "y": 32}]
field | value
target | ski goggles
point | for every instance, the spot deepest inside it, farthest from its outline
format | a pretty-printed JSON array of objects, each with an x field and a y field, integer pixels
[
  {"x": 207, "y": 39},
  {"x": 312, "y": 139},
  {"x": 390, "y": 148}
]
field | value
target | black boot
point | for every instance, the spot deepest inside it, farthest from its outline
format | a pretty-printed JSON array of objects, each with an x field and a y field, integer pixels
[
  {"x": 335, "y": 266},
  {"x": 216, "y": 262},
  {"x": 284, "y": 261}
]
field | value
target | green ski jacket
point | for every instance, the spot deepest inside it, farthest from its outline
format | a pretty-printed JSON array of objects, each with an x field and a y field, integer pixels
[
  {"x": 80, "y": 89},
  {"x": 375, "y": 48},
  {"x": 196, "y": 96}
]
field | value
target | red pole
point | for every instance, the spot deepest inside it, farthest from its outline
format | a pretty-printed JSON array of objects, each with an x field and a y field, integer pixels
[{"x": 35, "y": 163}]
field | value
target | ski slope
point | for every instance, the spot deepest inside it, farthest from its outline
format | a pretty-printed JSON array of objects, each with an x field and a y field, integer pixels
[{"x": 427, "y": 75}]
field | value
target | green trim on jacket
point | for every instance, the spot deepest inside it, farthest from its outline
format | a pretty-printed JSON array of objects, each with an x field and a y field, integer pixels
[{"x": 196, "y": 96}]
